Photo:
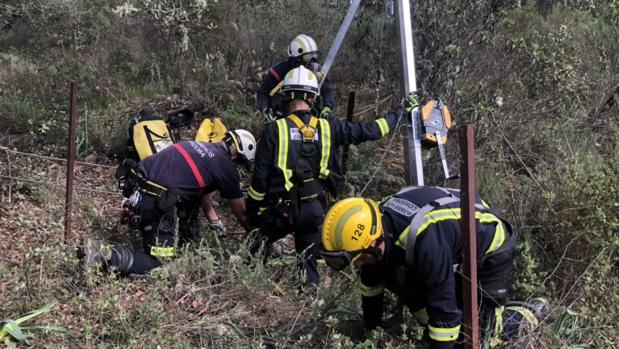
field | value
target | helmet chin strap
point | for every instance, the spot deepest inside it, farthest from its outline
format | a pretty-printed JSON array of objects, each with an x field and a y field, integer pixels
[{"x": 376, "y": 250}]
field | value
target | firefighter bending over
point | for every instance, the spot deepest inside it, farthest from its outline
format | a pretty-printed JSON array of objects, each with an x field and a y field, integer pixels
[
  {"x": 180, "y": 176},
  {"x": 411, "y": 245}
]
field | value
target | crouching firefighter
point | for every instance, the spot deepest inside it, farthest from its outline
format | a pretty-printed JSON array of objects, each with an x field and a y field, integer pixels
[
  {"x": 293, "y": 172},
  {"x": 181, "y": 177},
  {"x": 411, "y": 245}
]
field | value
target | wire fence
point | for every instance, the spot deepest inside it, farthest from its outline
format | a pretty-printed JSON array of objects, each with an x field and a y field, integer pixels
[{"x": 11, "y": 177}]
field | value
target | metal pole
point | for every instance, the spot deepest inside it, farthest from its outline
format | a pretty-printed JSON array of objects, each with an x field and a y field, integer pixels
[
  {"x": 70, "y": 162},
  {"x": 339, "y": 38},
  {"x": 349, "y": 113},
  {"x": 469, "y": 237},
  {"x": 412, "y": 147}
]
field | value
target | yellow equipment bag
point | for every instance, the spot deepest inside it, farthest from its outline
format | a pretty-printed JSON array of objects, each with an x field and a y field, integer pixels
[
  {"x": 211, "y": 131},
  {"x": 150, "y": 137}
]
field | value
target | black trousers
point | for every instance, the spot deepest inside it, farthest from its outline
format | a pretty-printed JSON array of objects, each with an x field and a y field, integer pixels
[
  {"x": 158, "y": 233},
  {"x": 306, "y": 225}
]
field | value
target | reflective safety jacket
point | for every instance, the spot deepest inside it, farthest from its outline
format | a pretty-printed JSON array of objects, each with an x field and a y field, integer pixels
[
  {"x": 280, "y": 146},
  {"x": 422, "y": 271},
  {"x": 271, "y": 84}
]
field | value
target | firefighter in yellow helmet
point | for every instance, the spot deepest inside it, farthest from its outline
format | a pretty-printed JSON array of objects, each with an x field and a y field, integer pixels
[
  {"x": 294, "y": 171},
  {"x": 410, "y": 244}
]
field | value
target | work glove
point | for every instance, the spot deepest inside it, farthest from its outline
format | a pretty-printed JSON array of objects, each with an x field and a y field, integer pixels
[
  {"x": 409, "y": 103},
  {"x": 326, "y": 112},
  {"x": 268, "y": 116},
  {"x": 218, "y": 226}
]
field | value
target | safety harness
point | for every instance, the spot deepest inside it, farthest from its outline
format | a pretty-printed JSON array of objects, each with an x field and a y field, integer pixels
[{"x": 436, "y": 211}]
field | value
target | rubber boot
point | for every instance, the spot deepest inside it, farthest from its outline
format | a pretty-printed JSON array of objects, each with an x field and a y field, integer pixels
[{"x": 116, "y": 258}]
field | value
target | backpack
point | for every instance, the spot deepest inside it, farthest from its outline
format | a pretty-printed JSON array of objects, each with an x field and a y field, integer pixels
[
  {"x": 211, "y": 131},
  {"x": 148, "y": 134}
]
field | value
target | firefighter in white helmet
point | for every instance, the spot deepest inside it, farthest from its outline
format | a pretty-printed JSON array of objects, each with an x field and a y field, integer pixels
[
  {"x": 302, "y": 51},
  {"x": 175, "y": 182},
  {"x": 294, "y": 169}
]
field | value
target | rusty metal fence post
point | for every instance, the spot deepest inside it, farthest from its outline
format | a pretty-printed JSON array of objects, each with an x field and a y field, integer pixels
[
  {"x": 469, "y": 237},
  {"x": 70, "y": 162}
]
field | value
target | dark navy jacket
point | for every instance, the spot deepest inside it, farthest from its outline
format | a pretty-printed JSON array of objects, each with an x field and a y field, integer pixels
[
  {"x": 169, "y": 168},
  {"x": 275, "y": 74}
]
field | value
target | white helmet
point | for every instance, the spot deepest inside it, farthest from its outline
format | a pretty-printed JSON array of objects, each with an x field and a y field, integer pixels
[
  {"x": 302, "y": 45},
  {"x": 300, "y": 79},
  {"x": 244, "y": 143}
]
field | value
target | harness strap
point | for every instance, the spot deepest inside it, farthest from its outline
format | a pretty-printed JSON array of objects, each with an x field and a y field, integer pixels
[
  {"x": 419, "y": 220},
  {"x": 192, "y": 165},
  {"x": 307, "y": 130}
]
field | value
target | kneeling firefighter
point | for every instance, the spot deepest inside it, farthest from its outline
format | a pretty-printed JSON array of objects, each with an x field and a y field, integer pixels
[
  {"x": 411, "y": 245},
  {"x": 180, "y": 176},
  {"x": 293, "y": 172}
]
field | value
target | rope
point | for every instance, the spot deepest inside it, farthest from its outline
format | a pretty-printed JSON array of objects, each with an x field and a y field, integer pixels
[
  {"x": 369, "y": 107},
  {"x": 59, "y": 185},
  {"x": 54, "y": 158},
  {"x": 380, "y": 162}
]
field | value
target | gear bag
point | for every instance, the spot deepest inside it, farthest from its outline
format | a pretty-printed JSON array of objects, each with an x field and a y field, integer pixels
[
  {"x": 436, "y": 122},
  {"x": 211, "y": 131},
  {"x": 150, "y": 137}
]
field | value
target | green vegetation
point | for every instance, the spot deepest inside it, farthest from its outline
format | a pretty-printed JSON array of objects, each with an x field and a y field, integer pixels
[{"x": 540, "y": 79}]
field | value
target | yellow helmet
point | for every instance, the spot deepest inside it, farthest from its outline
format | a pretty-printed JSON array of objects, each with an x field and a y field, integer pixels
[{"x": 351, "y": 225}]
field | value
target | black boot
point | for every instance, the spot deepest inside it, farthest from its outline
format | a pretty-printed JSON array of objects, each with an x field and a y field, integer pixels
[{"x": 95, "y": 252}]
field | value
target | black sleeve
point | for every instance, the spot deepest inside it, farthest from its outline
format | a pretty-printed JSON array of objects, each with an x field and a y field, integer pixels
[
  {"x": 356, "y": 132},
  {"x": 263, "y": 165},
  {"x": 271, "y": 78},
  {"x": 372, "y": 296},
  {"x": 327, "y": 94},
  {"x": 434, "y": 265},
  {"x": 230, "y": 182}
]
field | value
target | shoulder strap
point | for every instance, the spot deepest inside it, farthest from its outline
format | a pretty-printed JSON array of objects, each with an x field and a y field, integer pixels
[
  {"x": 307, "y": 130},
  {"x": 192, "y": 165}
]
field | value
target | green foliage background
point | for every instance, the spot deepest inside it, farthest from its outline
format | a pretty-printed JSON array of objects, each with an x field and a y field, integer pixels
[{"x": 540, "y": 80}]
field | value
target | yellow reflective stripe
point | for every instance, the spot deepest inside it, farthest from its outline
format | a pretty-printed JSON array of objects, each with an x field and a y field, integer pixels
[
  {"x": 282, "y": 153},
  {"x": 455, "y": 214},
  {"x": 402, "y": 239},
  {"x": 372, "y": 291},
  {"x": 276, "y": 88},
  {"x": 526, "y": 313},
  {"x": 325, "y": 141},
  {"x": 498, "y": 323},
  {"x": 444, "y": 334},
  {"x": 499, "y": 238},
  {"x": 156, "y": 185},
  {"x": 383, "y": 125},
  {"x": 256, "y": 195},
  {"x": 261, "y": 210},
  {"x": 157, "y": 251}
]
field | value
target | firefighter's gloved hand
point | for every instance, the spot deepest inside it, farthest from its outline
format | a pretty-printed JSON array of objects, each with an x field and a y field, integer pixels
[
  {"x": 326, "y": 112},
  {"x": 268, "y": 116},
  {"x": 409, "y": 103},
  {"x": 218, "y": 226}
]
